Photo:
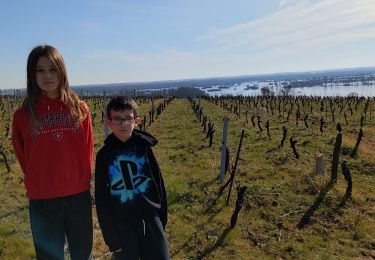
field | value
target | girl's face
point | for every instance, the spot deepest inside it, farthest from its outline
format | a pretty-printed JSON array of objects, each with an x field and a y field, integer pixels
[{"x": 47, "y": 77}]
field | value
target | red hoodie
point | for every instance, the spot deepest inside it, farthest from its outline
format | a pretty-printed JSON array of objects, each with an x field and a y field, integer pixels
[{"x": 57, "y": 159}]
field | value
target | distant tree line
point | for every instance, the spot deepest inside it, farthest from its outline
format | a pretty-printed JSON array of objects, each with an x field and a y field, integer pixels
[{"x": 184, "y": 92}]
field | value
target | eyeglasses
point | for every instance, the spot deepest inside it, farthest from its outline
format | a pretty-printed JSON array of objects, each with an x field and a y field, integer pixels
[{"x": 119, "y": 120}]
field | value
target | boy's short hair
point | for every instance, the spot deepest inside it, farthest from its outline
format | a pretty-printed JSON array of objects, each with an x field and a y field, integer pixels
[{"x": 120, "y": 104}]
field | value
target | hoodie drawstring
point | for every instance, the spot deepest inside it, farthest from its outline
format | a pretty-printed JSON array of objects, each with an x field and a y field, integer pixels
[{"x": 144, "y": 227}]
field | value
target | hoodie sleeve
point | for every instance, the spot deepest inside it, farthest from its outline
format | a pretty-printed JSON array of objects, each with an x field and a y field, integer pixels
[
  {"x": 163, "y": 213},
  {"x": 103, "y": 206},
  {"x": 18, "y": 139},
  {"x": 87, "y": 129}
]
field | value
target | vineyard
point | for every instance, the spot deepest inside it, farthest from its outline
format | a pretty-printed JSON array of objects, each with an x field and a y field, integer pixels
[{"x": 299, "y": 177}]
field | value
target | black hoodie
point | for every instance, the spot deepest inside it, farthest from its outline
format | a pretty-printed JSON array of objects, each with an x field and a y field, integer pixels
[{"x": 128, "y": 184}]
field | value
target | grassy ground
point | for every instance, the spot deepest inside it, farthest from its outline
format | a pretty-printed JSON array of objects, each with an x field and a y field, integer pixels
[{"x": 280, "y": 190}]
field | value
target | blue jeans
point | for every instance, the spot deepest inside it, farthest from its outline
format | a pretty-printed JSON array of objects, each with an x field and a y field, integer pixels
[{"x": 54, "y": 219}]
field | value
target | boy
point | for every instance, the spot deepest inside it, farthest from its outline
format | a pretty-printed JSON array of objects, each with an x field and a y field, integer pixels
[{"x": 129, "y": 189}]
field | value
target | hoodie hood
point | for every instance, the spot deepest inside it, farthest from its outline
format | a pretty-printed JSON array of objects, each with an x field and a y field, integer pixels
[
  {"x": 46, "y": 99},
  {"x": 139, "y": 137},
  {"x": 51, "y": 105}
]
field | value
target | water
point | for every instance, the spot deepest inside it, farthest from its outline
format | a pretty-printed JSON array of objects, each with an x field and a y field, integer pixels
[
  {"x": 254, "y": 88},
  {"x": 340, "y": 91}
]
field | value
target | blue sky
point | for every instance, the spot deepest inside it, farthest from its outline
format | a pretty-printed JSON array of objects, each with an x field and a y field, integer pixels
[{"x": 115, "y": 41}]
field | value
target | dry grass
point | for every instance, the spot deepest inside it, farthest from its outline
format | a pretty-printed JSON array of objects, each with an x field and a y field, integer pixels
[{"x": 280, "y": 190}]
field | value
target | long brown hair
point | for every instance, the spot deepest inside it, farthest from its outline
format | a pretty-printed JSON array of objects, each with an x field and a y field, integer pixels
[{"x": 77, "y": 110}]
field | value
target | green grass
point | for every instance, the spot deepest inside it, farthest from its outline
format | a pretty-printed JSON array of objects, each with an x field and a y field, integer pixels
[{"x": 280, "y": 189}]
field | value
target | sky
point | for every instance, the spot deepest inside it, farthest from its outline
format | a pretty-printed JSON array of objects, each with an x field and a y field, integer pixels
[{"x": 116, "y": 41}]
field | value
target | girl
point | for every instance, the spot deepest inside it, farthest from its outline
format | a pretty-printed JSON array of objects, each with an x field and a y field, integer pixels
[{"x": 53, "y": 141}]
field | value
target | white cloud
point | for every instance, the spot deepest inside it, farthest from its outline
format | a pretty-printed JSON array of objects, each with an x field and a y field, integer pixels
[
  {"x": 169, "y": 57},
  {"x": 163, "y": 65},
  {"x": 282, "y": 3},
  {"x": 299, "y": 24},
  {"x": 287, "y": 3},
  {"x": 300, "y": 35}
]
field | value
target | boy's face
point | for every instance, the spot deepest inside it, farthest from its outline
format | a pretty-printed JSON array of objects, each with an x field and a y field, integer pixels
[{"x": 122, "y": 123}]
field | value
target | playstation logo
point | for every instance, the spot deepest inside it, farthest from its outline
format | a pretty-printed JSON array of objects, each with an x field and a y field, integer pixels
[{"x": 129, "y": 179}]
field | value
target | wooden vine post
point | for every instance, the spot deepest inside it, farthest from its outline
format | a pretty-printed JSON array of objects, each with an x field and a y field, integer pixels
[
  {"x": 319, "y": 163},
  {"x": 239, "y": 202},
  {"x": 285, "y": 130},
  {"x": 355, "y": 149},
  {"x": 336, "y": 153},
  {"x": 293, "y": 144},
  {"x": 223, "y": 150},
  {"x": 348, "y": 178},
  {"x": 235, "y": 166}
]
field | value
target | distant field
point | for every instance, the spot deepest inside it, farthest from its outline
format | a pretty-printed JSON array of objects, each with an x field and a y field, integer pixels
[{"x": 289, "y": 211}]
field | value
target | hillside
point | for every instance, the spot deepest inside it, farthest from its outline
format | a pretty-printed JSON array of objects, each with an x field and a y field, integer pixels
[{"x": 288, "y": 211}]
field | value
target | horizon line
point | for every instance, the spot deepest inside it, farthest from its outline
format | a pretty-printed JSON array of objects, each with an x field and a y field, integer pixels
[{"x": 211, "y": 78}]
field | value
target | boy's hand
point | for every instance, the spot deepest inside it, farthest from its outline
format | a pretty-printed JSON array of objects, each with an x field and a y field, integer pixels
[{"x": 117, "y": 255}]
